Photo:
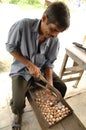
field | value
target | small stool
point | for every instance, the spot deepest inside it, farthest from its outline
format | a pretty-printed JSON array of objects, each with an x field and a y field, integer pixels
[{"x": 73, "y": 73}]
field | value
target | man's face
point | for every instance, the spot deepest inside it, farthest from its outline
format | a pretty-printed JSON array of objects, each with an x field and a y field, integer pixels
[{"x": 49, "y": 30}]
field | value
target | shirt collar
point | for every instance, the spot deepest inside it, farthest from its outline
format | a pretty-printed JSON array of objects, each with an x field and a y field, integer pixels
[{"x": 36, "y": 26}]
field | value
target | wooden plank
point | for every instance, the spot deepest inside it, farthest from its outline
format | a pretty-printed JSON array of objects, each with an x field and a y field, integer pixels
[
  {"x": 71, "y": 73},
  {"x": 71, "y": 79},
  {"x": 63, "y": 65},
  {"x": 69, "y": 123},
  {"x": 77, "y": 52},
  {"x": 78, "y": 55},
  {"x": 72, "y": 123},
  {"x": 74, "y": 69},
  {"x": 58, "y": 126}
]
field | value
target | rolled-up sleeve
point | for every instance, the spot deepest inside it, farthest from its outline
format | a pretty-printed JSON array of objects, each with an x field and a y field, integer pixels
[
  {"x": 52, "y": 53},
  {"x": 14, "y": 37}
]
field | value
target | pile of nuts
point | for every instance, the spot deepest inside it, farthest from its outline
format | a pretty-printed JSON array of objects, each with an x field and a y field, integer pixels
[{"x": 52, "y": 111}]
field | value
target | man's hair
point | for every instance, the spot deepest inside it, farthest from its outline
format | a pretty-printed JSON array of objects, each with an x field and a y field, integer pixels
[{"x": 58, "y": 12}]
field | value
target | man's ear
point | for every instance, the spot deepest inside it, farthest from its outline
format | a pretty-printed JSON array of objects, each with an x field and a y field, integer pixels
[{"x": 44, "y": 18}]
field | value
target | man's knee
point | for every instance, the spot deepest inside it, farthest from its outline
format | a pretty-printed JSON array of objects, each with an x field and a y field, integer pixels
[
  {"x": 16, "y": 107},
  {"x": 64, "y": 90},
  {"x": 61, "y": 87}
]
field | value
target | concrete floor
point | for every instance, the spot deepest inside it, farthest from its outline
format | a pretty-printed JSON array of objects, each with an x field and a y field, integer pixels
[{"x": 76, "y": 98}]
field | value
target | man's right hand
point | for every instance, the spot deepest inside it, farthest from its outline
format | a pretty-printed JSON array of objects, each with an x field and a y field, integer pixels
[{"x": 33, "y": 70}]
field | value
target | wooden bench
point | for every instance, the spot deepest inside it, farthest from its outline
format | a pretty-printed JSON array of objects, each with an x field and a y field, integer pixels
[
  {"x": 74, "y": 72},
  {"x": 71, "y": 122}
]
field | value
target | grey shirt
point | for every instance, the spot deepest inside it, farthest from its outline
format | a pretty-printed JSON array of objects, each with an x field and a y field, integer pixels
[{"x": 23, "y": 37}]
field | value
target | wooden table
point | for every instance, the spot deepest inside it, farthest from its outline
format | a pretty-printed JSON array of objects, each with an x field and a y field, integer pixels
[{"x": 79, "y": 65}]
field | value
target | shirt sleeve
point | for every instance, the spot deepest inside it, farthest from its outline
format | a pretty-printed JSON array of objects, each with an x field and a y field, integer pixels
[
  {"x": 52, "y": 52},
  {"x": 14, "y": 37}
]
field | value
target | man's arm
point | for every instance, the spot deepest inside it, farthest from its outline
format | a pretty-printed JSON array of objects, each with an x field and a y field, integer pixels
[
  {"x": 49, "y": 75},
  {"x": 33, "y": 69},
  {"x": 49, "y": 78}
]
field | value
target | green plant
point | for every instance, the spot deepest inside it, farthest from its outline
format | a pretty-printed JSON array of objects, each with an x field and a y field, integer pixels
[
  {"x": 32, "y": 2},
  {"x": 13, "y": 1}
]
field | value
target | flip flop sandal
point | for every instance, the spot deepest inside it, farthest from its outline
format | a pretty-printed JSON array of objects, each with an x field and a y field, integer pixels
[{"x": 16, "y": 126}]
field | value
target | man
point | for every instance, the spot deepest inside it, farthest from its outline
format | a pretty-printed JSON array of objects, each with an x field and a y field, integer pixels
[{"x": 34, "y": 45}]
